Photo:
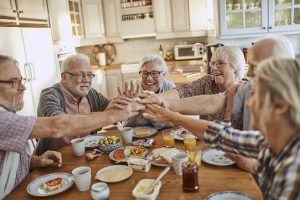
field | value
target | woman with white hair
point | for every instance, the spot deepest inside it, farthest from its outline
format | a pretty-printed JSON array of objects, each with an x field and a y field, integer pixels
[
  {"x": 152, "y": 71},
  {"x": 276, "y": 114}
]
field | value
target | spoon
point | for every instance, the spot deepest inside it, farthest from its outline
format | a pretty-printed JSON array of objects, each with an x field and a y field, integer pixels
[{"x": 151, "y": 187}]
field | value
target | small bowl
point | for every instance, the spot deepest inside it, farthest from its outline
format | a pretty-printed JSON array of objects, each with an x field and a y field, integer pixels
[
  {"x": 142, "y": 186},
  {"x": 110, "y": 148},
  {"x": 100, "y": 191}
]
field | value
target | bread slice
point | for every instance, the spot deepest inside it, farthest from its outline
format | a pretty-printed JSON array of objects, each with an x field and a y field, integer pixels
[
  {"x": 165, "y": 153},
  {"x": 52, "y": 184},
  {"x": 142, "y": 131}
]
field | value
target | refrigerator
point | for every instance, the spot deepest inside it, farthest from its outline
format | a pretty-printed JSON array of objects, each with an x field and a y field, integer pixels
[{"x": 33, "y": 49}]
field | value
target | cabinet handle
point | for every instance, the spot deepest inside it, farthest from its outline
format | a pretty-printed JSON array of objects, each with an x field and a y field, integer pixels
[
  {"x": 21, "y": 11},
  {"x": 15, "y": 11},
  {"x": 270, "y": 27},
  {"x": 263, "y": 27}
]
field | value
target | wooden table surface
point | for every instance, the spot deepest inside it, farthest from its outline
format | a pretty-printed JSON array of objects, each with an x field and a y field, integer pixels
[{"x": 211, "y": 178}]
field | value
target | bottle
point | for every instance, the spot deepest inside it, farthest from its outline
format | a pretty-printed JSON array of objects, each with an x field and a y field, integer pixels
[
  {"x": 160, "y": 50},
  {"x": 190, "y": 177}
]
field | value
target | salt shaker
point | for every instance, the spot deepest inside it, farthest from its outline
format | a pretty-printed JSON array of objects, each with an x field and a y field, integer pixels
[{"x": 100, "y": 191}]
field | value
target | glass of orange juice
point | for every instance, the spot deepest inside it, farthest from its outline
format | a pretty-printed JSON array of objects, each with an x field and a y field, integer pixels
[
  {"x": 168, "y": 138},
  {"x": 195, "y": 156},
  {"x": 189, "y": 144}
]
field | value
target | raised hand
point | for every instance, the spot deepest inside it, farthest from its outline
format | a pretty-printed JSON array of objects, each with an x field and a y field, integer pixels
[
  {"x": 149, "y": 97},
  {"x": 131, "y": 109},
  {"x": 130, "y": 91},
  {"x": 119, "y": 102}
]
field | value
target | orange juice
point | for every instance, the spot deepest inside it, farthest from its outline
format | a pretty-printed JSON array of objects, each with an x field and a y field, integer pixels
[
  {"x": 189, "y": 144},
  {"x": 195, "y": 156},
  {"x": 168, "y": 140}
]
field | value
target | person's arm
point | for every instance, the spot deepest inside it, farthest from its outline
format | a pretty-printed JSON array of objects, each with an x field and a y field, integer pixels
[
  {"x": 74, "y": 125},
  {"x": 49, "y": 158}
]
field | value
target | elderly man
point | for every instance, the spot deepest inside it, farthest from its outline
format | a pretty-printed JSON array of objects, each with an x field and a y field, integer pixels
[
  {"x": 73, "y": 95},
  {"x": 15, "y": 129},
  {"x": 272, "y": 46},
  {"x": 153, "y": 70}
]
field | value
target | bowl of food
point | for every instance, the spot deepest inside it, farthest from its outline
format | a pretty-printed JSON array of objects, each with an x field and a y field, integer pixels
[{"x": 109, "y": 143}]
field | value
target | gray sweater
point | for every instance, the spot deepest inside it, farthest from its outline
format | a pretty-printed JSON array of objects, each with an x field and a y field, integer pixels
[{"x": 52, "y": 102}]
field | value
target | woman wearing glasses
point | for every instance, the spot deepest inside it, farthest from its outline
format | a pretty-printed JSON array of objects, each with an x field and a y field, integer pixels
[{"x": 152, "y": 71}]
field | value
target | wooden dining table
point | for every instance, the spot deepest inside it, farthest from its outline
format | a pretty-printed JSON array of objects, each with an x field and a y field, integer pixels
[{"x": 211, "y": 178}]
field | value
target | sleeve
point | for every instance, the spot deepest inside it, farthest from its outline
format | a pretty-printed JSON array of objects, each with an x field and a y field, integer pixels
[
  {"x": 197, "y": 87},
  {"x": 223, "y": 136},
  {"x": 103, "y": 101},
  {"x": 14, "y": 131},
  {"x": 137, "y": 120},
  {"x": 238, "y": 103},
  {"x": 49, "y": 104}
]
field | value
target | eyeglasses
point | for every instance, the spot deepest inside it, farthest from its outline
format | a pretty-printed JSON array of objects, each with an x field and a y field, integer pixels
[
  {"x": 15, "y": 83},
  {"x": 218, "y": 64},
  {"x": 80, "y": 76},
  {"x": 153, "y": 74}
]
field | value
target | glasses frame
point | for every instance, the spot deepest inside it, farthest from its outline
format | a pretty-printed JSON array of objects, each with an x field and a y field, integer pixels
[
  {"x": 218, "y": 64},
  {"x": 15, "y": 83},
  {"x": 150, "y": 73},
  {"x": 80, "y": 76}
]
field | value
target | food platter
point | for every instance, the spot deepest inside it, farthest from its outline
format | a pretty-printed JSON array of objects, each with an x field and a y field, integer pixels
[
  {"x": 114, "y": 173},
  {"x": 35, "y": 187},
  {"x": 151, "y": 131},
  {"x": 92, "y": 141},
  {"x": 118, "y": 155},
  {"x": 229, "y": 195},
  {"x": 182, "y": 133},
  {"x": 215, "y": 157}
]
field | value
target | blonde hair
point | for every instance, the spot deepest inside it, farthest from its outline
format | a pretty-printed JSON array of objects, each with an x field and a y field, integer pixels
[
  {"x": 279, "y": 79},
  {"x": 235, "y": 56}
]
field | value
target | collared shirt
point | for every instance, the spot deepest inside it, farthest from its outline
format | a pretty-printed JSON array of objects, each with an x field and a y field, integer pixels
[
  {"x": 14, "y": 132},
  {"x": 73, "y": 106},
  {"x": 278, "y": 175}
]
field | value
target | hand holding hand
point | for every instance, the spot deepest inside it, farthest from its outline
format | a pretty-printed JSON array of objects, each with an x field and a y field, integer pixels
[
  {"x": 149, "y": 97},
  {"x": 119, "y": 102},
  {"x": 158, "y": 113}
]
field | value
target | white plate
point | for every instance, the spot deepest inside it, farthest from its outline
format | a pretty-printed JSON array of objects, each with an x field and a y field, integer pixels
[
  {"x": 152, "y": 130},
  {"x": 114, "y": 173},
  {"x": 125, "y": 158},
  {"x": 178, "y": 136},
  {"x": 229, "y": 195},
  {"x": 215, "y": 157},
  {"x": 160, "y": 164},
  {"x": 35, "y": 187},
  {"x": 92, "y": 141}
]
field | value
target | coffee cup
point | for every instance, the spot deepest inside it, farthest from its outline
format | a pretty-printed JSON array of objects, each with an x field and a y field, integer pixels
[
  {"x": 177, "y": 160},
  {"x": 82, "y": 178},
  {"x": 78, "y": 145},
  {"x": 127, "y": 134}
]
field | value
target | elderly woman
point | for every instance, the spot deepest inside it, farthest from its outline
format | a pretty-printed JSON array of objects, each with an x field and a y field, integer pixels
[
  {"x": 228, "y": 68},
  {"x": 276, "y": 114},
  {"x": 153, "y": 70}
]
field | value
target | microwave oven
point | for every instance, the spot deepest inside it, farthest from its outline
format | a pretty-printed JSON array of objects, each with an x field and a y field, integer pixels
[{"x": 189, "y": 51}]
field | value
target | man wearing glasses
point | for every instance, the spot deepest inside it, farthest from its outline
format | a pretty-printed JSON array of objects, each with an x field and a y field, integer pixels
[
  {"x": 153, "y": 70},
  {"x": 72, "y": 95},
  {"x": 15, "y": 130}
]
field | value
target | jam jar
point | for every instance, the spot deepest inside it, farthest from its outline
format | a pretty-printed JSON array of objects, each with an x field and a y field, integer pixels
[{"x": 190, "y": 177}]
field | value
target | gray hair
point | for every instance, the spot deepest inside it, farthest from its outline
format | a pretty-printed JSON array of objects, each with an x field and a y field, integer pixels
[
  {"x": 74, "y": 58},
  {"x": 280, "y": 78},
  {"x": 154, "y": 58},
  {"x": 4, "y": 58},
  {"x": 235, "y": 56}
]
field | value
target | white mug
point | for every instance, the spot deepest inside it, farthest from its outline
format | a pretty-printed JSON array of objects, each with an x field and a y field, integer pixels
[
  {"x": 177, "y": 160},
  {"x": 127, "y": 134},
  {"x": 82, "y": 177},
  {"x": 78, "y": 145}
]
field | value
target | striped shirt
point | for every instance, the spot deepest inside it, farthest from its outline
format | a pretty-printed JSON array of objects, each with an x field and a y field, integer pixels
[
  {"x": 278, "y": 175},
  {"x": 14, "y": 132}
]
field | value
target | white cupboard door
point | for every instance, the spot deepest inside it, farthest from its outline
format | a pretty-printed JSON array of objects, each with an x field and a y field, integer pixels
[
  {"x": 99, "y": 82},
  {"x": 112, "y": 17},
  {"x": 33, "y": 9},
  {"x": 8, "y": 8},
  {"x": 180, "y": 15},
  {"x": 114, "y": 79},
  {"x": 40, "y": 60},
  {"x": 11, "y": 44},
  {"x": 163, "y": 16},
  {"x": 93, "y": 18}
]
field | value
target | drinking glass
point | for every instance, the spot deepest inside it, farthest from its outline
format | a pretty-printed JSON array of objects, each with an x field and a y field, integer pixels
[
  {"x": 189, "y": 144},
  {"x": 168, "y": 138}
]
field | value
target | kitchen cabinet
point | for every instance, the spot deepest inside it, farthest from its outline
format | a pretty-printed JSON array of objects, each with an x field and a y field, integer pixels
[
  {"x": 23, "y": 12},
  {"x": 112, "y": 19},
  {"x": 93, "y": 18},
  {"x": 180, "y": 18},
  {"x": 113, "y": 80},
  {"x": 99, "y": 82},
  {"x": 33, "y": 49},
  {"x": 240, "y": 17}
]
